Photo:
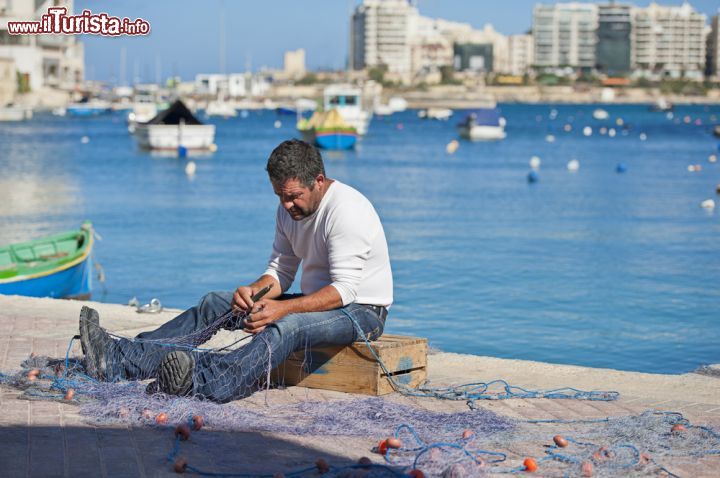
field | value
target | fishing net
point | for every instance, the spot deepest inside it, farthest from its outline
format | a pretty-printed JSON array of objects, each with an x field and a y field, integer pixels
[{"x": 449, "y": 444}]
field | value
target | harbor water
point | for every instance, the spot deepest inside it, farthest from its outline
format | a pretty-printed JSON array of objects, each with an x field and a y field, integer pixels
[{"x": 591, "y": 267}]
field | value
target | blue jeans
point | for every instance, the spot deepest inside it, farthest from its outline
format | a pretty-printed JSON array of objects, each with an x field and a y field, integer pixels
[{"x": 223, "y": 377}]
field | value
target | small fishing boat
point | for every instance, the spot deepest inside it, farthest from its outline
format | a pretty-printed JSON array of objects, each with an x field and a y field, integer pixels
[
  {"x": 483, "y": 124},
  {"x": 328, "y": 130},
  {"x": 348, "y": 101},
  {"x": 88, "y": 108},
  {"x": 661, "y": 104},
  {"x": 15, "y": 113},
  {"x": 58, "y": 266},
  {"x": 396, "y": 104},
  {"x": 442, "y": 114},
  {"x": 175, "y": 128}
]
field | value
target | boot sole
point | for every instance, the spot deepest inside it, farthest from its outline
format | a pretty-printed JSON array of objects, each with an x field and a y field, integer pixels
[{"x": 174, "y": 375}]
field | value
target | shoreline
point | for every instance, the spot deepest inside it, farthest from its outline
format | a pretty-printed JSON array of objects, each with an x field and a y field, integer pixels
[
  {"x": 55, "y": 437},
  {"x": 124, "y": 320}
]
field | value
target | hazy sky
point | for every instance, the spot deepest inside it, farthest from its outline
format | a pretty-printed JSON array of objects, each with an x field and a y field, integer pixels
[{"x": 186, "y": 34}]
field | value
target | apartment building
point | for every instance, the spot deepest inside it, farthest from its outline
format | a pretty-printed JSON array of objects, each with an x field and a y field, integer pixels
[
  {"x": 564, "y": 35},
  {"x": 668, "y": 42}
]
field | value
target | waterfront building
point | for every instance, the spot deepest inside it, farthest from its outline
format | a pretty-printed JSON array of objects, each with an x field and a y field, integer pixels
[
  {"x": 234, "y": 85},
  {"x": 381, "y": 35},
  {"x": 294, "y": 64},
  {"x": 473, "y": 57},
  {"x": 613, "y": 52},
  {"x": 8, "y": 81},
  {"x": 668, "y": 42},
  {"x": 564, "y": 35},
  {"x": 431, "y": 50},
  {"x": 520, "y": 54},
  {"x": 712, "y": 69},
  {"x": 42, "y": 62}
]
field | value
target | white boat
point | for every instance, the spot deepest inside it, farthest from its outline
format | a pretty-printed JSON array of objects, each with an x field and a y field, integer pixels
[
  {"x": 395, "y": 104},
  {"x": 661, "y": 104},
  {"x": 600, "y": 114},
  {"x": 175, "y": 128},
  {"x": 442, "y": 114},
  {"x": 142, "y": 112},
  {"x": 220, "y": 108},
  {"x": 483, "y": 125},
  {"x": 15, "y": 113},
  {"x": 347, "y": 100}
]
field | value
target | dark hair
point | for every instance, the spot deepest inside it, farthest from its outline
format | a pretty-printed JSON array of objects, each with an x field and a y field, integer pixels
[{"x": 295, "y": 159}]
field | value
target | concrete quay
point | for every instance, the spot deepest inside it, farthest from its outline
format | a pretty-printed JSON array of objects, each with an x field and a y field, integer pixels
[{"x": 46, "y": 438}]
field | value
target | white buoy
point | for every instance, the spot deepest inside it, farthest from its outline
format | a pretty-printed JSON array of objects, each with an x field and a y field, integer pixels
[
  {"x": 452, "y": 146},
  {"x": 712, "y": 158},
  {"x": 573, "y": 165},
  {"x": 587, "y": 131},
  {"x": 553, "y": 114},
  {"x": 535, "y": 162},
  {"x": 277, "y": 123},
  {"x": 190, "y": 168},
  {"x": 550, "y": 138},
  {"x": 84, "y": 140},
  {"x": 708, "y": 204},
  {"x": 694, "y": 168},
  {"x": 619, "y": 122},
  {"x": 643, "y": 136},
  {"x": 603, "y": 131},
  {"x": 567, "y": 128},
  {"x": 612, "y": 132},
  {"x": 213, "y": 148},
  {"x": 670, "y": 115}
]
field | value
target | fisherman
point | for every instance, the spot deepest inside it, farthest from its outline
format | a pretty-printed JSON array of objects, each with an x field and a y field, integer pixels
[{"x": 346, "y": 284}]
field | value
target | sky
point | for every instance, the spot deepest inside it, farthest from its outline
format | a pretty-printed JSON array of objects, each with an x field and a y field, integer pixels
[{"x": 187, "y": 35}]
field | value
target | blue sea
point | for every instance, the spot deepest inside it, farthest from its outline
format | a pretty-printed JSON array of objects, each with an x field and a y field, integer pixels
[{"x": 591, "y": 267}]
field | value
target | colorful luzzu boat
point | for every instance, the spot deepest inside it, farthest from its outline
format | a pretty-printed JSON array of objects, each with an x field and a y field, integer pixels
[
  {"x": 58, "y": 266},
  {"x": 328, "y": 130}
]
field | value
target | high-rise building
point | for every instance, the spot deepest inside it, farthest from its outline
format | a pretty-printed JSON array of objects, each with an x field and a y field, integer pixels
[
  {"x": 713, "y": 49},
  {"x": 564, "y": 35},
  {"x": 521, "y": 54},
  {"x": 613, "y": 52},
  {"x": 668, "y": 41},
  {"x": 381, "y": 32},
  {"x": 55, "y": 61}
]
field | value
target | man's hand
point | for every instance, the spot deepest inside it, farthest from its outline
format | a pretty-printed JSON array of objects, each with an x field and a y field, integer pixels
[
  {"x": 264, "y": 312},
  {"x": 242, "y": 302}
]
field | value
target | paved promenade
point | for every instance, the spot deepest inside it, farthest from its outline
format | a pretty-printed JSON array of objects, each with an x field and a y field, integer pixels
[{"x": 42, "y": 439}]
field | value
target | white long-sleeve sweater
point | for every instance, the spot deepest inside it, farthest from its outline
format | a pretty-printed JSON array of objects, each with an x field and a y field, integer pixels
[{"x": 342, "y": 244}]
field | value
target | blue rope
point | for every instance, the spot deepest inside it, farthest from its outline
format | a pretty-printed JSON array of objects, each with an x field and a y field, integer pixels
[{"x": 471, "y": 392}]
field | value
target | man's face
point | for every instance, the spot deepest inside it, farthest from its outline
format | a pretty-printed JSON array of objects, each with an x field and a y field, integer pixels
[{"x": 299, "y": 200}]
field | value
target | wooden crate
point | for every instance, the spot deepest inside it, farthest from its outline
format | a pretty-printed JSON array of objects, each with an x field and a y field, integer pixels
[{"x": 353, "y": 368}]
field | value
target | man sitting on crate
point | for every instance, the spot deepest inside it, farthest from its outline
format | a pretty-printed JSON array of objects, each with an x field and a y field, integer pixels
[{"x": 346, "y": 284}]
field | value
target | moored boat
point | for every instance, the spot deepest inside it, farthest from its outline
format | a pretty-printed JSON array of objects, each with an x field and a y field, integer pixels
[
  {"x": 442, "y": 114},
  {"x": 347, "y": 100},
  {"x": 58, "y": 266},
  {"x": 88, "y": 108},
  {"x": 175, "y": 128},
  {"x": 328, "y": 130},
  {"x": 661, "y": 104},
  {"x": 483, "y": 124},
  {"x": 15, "y": 113}
]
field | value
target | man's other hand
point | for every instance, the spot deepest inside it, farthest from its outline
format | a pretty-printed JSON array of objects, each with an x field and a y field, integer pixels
[
  {"x": 263, "y": 313},
  {"x": 242, "y": 302}
]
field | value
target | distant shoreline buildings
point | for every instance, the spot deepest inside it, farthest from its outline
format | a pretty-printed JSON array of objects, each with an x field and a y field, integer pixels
[
  {"x": 612, "y": 39},
  {"x": 390, "y": 42},
  {"x": 40, "y": 63}
]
